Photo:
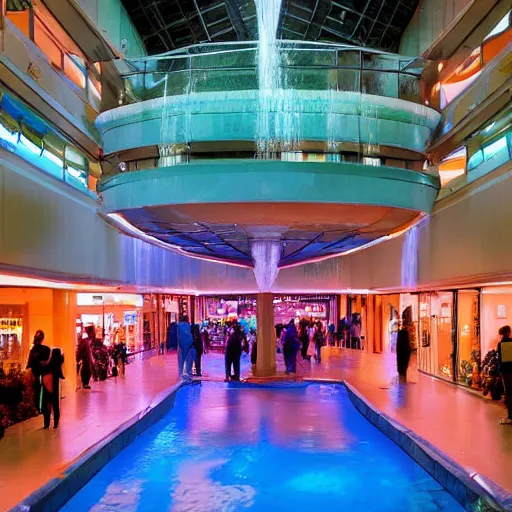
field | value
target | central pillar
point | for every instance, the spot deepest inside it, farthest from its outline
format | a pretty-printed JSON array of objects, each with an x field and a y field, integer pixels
[{"x": 266, "y": 360}]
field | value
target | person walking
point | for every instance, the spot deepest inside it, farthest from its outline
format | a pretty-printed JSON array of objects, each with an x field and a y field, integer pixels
[
  {"x": 505, "y": 368},
  {"x": 403, "y": 354},
  {"x": 84, "y": 356},
  {"x": 52, "y": 374},
  {"x": 198, "y": 347},
  {"x": 38, "y": 355},
  {"x": 185, "y": 348},
  {"x": 234, "y": 353},
  {"x": 319, "y": 340}
]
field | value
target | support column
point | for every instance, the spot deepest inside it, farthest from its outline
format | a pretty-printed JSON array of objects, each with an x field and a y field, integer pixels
[
  {"x": 64, "y": 335},
  {"x": 370, "y": 324},
  {"x": 266, "y": 361}
]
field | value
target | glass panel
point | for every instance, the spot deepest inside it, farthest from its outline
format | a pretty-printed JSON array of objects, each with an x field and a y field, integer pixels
[
  {"x": 380, "y": 83},
  {"x": 441, "y": 329},
  {"x": 47, "y": 43},
  {"x": 494, "y": 148},
  {"x": 468, "y": 339},
  {"x": 475, "y": 160},
  {"x": 408, "y": 88},
  {"x": 349, "y": 80},
  {"x": 76, "y": 167},
  {"x": 425, "y": 349},
  {"x": 74, "y": 71}
]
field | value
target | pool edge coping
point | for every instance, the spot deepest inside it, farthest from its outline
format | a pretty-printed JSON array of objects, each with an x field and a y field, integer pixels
[{"x": 54, "y": 494}]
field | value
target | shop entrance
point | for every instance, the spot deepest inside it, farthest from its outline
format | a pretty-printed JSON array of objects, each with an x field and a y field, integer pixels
[{"x": 436, "y": 353}]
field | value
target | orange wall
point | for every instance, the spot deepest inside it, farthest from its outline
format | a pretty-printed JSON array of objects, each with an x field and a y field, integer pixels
[{"x": 490, "y": 321}]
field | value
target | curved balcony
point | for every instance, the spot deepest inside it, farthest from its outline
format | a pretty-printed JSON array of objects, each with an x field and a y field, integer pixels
[
  {"x": 337, "y": 95},
  {"x": 183, "y": 150},
  {"x": 213, "y": 209}
]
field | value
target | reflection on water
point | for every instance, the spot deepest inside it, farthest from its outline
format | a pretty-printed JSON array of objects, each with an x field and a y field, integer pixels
[{"x": 233, "y": 447}]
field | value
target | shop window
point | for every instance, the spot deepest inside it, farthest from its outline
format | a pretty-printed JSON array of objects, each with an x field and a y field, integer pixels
[
  {"x": 453, "y": 166},
  {"x": 502, "y": 26},
  {"x": 494, "y": 148},
  {"x": 47, "y": 43},
  {"x": 74, "y": 68},
  {"x": 468, "y": 338},
  {"x": 497, "y": 39},
  {"x": 436, "y": 349},
  {"x": 76, "y": 167},
  {"x": 475, "y": 160}
]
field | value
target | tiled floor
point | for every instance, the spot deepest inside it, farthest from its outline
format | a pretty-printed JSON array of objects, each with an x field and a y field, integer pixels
[{"x": 459, "y": 423}]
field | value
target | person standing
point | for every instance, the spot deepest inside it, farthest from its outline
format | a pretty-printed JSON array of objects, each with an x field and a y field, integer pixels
[
  {"x": 185, "y": 348},
  {"x": 52, "y": 374},
  {"x": 303, "y": 337},
  {"x": 403, "y": 354},
  {"x": 234, "y": 353},
  {"x": 319, "y": 340},
  {"x": 198, "y": 347},
  {"x": 84, "y": 356},
  {"x": 290, "y": 346},
  {"x": 38, "y": 355},
  {"x": 505, "y": 368},
  {"x": 355, "y": 332}
]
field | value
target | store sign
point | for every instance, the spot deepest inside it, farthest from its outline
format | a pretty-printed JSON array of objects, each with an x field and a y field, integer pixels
[
  {"x": 172, "y": 306},
  {"x": 130, "y": 317}
]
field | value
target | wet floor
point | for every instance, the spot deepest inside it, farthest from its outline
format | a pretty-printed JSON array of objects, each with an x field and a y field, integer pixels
[{"x": 230, "y": 447}]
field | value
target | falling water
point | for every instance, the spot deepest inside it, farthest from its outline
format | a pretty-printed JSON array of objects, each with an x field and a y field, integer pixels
[
  {"x": 266, "y": 255},
  {"x": 278, "y": 123},
  {"x": 410, "y": 258}
]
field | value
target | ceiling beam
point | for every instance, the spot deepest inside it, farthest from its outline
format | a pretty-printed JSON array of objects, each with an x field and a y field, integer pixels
[{"x": 236, "y": 19}]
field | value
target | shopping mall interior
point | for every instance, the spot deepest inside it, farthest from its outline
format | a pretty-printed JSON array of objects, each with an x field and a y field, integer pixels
[{"x": 313, "y": 180}]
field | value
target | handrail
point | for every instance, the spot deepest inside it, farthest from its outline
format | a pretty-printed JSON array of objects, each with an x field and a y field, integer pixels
[{"x": 253, "y": 46}]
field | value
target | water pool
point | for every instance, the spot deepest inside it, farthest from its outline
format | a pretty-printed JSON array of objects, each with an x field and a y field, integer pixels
[{"x": 231, "y": 447}]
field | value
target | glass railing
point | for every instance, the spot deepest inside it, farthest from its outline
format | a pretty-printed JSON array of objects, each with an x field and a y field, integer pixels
[
  {"x": 32, "y": 138},
  {"x": 305, "y": 66}
]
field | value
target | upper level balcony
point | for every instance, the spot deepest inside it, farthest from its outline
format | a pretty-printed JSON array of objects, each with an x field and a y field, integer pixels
[{"x": 322, "y": 150}]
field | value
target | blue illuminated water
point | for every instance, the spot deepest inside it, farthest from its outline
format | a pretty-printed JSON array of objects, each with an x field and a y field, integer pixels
[{"x": 227, "y": 448}]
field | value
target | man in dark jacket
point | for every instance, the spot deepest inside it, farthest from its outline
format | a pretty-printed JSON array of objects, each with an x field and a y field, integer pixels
[
  {"x": 505, "y": 367},
  {"x": 38, "y": 355}
]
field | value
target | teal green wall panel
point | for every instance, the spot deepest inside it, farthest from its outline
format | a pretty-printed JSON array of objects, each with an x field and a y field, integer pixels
[
  {"x": 232, "y": 181},
  {"x": 234, "y": 116}
]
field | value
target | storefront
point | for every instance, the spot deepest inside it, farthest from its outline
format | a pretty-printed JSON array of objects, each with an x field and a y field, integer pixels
[
  {"x": 224, "y": 309},
  {"x": 444, "y": 330},
  {"x": 116, "y": 318}
]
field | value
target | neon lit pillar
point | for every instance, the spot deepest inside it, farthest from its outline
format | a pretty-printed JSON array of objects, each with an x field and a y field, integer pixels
[{"x": 266, "y": 361}]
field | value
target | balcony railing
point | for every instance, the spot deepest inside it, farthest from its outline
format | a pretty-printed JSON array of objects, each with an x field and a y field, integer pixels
[{"x": 305, "y": 65}]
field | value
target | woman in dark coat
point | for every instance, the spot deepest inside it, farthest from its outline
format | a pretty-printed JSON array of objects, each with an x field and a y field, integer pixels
[
  {"x": 234, "y": 353},
  {"x": 84, "y": 357},
  {"x": 198, "y": 345},
  {"x": 52, "y": 374},
  {"x": 290, "y": 346},
  {"x": 403, "y": 354}
]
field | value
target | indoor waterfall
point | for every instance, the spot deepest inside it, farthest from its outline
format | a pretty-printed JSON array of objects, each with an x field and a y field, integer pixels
[
  {"x": 409, "y": 264},
  {"x": 265, "y": 256}
]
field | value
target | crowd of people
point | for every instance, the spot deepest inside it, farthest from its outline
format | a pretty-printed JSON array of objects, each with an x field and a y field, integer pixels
[
  {"x": 299, "y": 342},
  {"x": 97, "y": 361}
]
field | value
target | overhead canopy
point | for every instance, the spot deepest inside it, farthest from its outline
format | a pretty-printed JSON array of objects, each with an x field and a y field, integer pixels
[{"x": 168, "y": 24}]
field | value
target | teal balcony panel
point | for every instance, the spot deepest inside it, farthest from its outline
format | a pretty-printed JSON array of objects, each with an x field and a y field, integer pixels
[
  {"x": 259, "y": 181},
  {"x": 323, "y": 116}
]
